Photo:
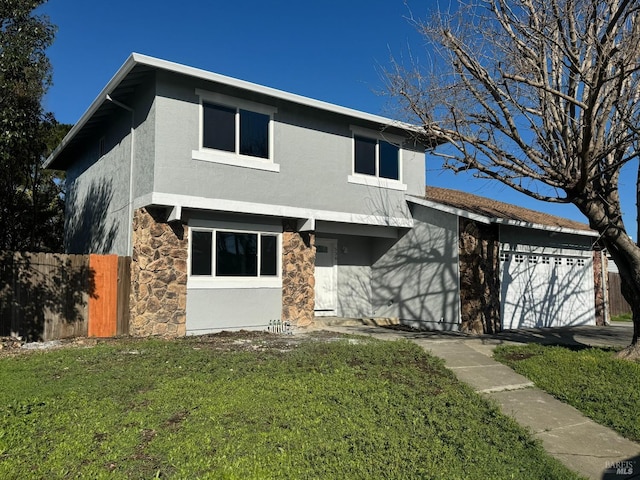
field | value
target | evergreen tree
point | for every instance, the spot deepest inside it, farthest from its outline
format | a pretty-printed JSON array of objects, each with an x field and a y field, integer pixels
[{"x": 30, "y": 199}]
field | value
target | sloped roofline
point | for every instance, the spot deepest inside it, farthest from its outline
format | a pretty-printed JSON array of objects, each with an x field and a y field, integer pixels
[
  {"x": 136, "y": 59},
  {"x": 497, "y": 220}
]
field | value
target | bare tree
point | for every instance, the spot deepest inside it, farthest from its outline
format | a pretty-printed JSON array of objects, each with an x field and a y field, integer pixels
[{"x": 542, "y": 95}]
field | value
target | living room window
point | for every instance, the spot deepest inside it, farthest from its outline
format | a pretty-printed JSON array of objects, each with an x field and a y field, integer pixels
[
  {"x": 376, "y": 159},
  {"x": 224, "y": 253},
  {"x": 235, "y": 132}
]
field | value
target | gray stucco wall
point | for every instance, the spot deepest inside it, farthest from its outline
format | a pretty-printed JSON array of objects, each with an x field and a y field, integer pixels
[
  {"x": 214, "y": 310},
  {"x": 313, "y": 149},
  {"x": 97, "y": 215},
  {"x": 416, "y": 278},
  {"x": 97, "y": 200}
]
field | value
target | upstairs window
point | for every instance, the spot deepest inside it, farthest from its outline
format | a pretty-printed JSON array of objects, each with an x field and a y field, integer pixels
[
  {"x": 235, "y": 130},
  {"x": 376, "y": 158}
]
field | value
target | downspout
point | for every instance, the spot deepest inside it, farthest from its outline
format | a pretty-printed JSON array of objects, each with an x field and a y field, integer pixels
[{"x": 130, "y": 227}]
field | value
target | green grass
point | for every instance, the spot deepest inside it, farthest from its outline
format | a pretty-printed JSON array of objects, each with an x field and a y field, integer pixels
[
  {"x": 253, "y": 408},
  {"x": 601, "y": 386},
  {"x": 625, "y": 317}
]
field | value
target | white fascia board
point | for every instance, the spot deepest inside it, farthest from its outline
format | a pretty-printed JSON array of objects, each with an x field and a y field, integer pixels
[
  {"x": 447, "y": 209},
  {"x": 139, "y": 59},
  {"x": 546, "y": 228},
  {"x": 120, "y": 75},
  {"x": 272, "y": 92},
  {"x": 497, "y": 220},
  {"x": 236, "y": 206}
]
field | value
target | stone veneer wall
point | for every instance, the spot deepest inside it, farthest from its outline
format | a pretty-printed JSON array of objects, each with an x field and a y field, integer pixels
[
  {"x": 479, "y": 263},
  {"x": 298, "y": 278},
  {"x": 600, "y": 263},
  {"x": 158, "y": 297}
]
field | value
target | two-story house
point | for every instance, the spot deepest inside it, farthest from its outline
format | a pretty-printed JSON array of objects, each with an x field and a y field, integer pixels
[{"x": 241, "y": 204}]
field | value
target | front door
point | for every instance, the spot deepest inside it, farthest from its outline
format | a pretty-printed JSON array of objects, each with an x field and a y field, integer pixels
[{"x": 326, "y": 273}]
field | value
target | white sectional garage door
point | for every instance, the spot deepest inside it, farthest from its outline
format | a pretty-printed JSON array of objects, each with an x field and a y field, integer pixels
[{"x": 546, "y": 290}]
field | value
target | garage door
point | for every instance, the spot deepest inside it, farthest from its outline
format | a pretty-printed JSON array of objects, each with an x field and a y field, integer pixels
[{"x": 546, "y": 291}]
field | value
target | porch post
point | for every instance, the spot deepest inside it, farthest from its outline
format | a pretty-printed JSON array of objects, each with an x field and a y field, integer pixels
[{"x": 298, "y": 279}]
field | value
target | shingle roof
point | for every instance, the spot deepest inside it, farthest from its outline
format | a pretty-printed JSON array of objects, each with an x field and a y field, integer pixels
[{"x": 499, "y": 210}]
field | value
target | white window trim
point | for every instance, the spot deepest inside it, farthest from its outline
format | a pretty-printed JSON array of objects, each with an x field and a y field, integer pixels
[
  {"x": 371, "y": 181},
  {"x": 235, "y": 158},
  {"x": 376, "y": 180},
  {"x": 214, "y": 282}
]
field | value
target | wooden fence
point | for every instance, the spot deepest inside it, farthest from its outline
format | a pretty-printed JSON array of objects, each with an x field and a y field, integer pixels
[
  {"x": 617, "y": 304},
  {"x": 45, "y": 296}
]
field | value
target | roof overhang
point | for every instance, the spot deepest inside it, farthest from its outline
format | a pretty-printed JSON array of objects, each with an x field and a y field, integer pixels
[
  {"x": 496, "y": 220},
  {"x": 136, "y": 66},
  {"x": 177, "y": 205}
]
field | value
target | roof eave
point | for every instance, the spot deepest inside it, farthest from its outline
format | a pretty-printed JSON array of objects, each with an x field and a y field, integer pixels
[
  {"x": 122, "y": 72},
  {"x": 548, "y": 228},
  {"x": 448, "y": 209},
  {"x": 139, "y": 59},
  {"x": 497, "y": 220},
  {"x": 269, "y": 91}
]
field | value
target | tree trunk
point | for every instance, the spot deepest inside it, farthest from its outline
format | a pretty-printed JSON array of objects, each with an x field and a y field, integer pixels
[
  {"x": 630, "y": 280},
  {"x": 605, "y": 217}
]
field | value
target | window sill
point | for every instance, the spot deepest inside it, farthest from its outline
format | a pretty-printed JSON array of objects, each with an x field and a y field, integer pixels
[
  {"x": 204, "y": 282},
  {"x": 371, "y": 181},
  {"x": 235, "y": 160}
]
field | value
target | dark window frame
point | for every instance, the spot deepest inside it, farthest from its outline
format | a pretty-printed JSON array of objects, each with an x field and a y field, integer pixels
[
  {"x": 246, "y": 122},
  {"x": 265, "y": 268},
  {"x": 380, "y": 162}
]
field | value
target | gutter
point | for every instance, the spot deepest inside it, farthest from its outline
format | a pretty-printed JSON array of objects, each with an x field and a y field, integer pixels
[
  {"x": 497, "y": 220},
  {"x": 156, "y": 63}
]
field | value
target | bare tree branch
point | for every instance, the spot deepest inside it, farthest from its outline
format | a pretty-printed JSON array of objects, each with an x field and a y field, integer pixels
[{"x": 541, "y": 95}]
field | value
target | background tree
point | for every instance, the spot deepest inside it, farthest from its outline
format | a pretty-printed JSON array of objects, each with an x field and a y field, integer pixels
[
  {"x": 45, "y": 223},
  {"x": 543, "y": 96},
  {"x": 30, "y": 200}
]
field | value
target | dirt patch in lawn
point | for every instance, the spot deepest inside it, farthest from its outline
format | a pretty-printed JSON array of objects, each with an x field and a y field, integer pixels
[
  {"x": 517, "y": 356},
  {"x": 243, "y": 340}
]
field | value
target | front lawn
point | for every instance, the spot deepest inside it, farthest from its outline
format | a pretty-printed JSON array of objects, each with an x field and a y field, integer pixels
[
  {"x": 601, "y": 386},
  {"x": 242, "y": 406},
  {"x": 624, "y": 317}
]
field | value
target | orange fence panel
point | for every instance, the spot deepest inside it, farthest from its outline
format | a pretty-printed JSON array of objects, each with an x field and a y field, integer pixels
[{"x": 103, "y": 304}]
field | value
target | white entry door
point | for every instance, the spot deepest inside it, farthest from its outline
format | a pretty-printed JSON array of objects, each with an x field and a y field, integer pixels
[{"x": 326, "y": 273}]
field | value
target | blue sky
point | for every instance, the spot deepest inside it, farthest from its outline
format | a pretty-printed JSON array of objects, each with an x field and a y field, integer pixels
[{"x": 330, "y": 50}]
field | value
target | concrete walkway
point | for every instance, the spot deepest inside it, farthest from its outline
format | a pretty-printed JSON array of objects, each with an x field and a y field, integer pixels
[{"x": 578, "y": 442}]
